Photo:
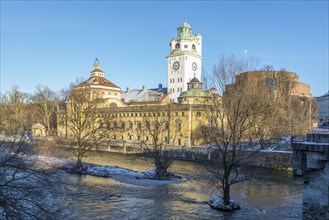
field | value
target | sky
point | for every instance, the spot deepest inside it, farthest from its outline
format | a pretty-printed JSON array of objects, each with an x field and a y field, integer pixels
[{"x": 53, "y": 43}]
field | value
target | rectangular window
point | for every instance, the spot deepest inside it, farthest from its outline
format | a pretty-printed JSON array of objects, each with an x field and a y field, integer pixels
[{"x": 185, "y": 46}]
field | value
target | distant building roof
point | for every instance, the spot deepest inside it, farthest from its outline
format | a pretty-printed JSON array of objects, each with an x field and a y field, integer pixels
[
  {"x": 96, "y": 80},
  {"x": 325, "y": 95},
  {"x": 144, "y": 95}
]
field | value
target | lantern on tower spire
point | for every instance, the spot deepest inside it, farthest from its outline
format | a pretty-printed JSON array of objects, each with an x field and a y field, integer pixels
[{"x": 96, "y": 64}]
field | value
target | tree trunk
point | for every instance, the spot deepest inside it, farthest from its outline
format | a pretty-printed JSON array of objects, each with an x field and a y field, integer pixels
[
  {"x": 161, "y": 171},
  {"x": 79, "y": 161},
  {"x": 226, "y": 193}
]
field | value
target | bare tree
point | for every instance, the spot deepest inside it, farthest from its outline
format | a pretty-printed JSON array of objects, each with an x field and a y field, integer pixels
[
  {"x": 16, "y": 112},
  {"x": 86, "y": 126},
  {"x": 243, "y": 110},
  {"x": 155, "y": 136},
  {"x": 27, "y": 190},
  {"x": 46, "y": 99}
]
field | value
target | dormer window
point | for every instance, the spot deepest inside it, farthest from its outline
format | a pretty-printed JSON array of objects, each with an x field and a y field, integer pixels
[{"x": 177, "y": 46}]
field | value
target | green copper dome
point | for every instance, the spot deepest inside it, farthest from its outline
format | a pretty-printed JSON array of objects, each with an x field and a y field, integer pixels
[
  {"x": 194, "y": 89},
  {"x": 184, "y": 31},
  {"x": 184, "y": 25}
]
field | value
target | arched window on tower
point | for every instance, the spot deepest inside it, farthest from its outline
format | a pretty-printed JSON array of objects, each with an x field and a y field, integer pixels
[{"x": 193, "y": 47}]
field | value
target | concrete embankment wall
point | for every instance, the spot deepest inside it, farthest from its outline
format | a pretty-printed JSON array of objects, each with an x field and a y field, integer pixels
[
  {"x": 267, "y": 159},
  {"x": 275, "y": 160}
]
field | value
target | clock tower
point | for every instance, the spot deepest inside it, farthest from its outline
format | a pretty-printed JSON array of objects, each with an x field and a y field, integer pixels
[{"x": 184, "y": 60}]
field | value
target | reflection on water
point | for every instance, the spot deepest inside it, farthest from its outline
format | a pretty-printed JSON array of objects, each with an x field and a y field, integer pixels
[{"x": 274, "y": 196}]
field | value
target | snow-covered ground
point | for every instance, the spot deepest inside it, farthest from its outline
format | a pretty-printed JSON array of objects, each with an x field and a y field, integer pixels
[{"x": 117, "y": 173}]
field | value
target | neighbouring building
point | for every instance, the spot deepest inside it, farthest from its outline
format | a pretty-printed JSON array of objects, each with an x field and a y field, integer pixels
[
  {"x": 274, "y": 78},
  {"x": 39, "y": 130},
  {"x": 323, "y": 109}
]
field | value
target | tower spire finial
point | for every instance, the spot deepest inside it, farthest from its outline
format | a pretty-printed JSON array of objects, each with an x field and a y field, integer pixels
[
  {"x": 96, "y": 63},
  {"x": 184, "y": 19}
]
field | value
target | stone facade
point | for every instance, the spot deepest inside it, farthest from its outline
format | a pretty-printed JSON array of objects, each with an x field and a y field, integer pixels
[
  {"x": 298, "y": 88},
  {"x": 323, "y": 109},
  {"x": 311, "y": 160}
]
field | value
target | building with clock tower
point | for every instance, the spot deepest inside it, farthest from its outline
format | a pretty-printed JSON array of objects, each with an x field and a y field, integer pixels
[{"x": 184, "y": 61}]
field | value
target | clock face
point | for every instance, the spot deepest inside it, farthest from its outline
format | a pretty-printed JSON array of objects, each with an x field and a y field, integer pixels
[
  {"x": 194, "y": 66},
  {"x": 195, "y": 86},
  {"x": 176, "y": 65}
]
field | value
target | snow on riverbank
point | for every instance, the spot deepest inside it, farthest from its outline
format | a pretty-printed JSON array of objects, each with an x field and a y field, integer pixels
[{"x": 117, "y": 173}]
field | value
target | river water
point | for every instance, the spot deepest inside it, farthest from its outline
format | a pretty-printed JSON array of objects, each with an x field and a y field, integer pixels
[{"x": 274, "y": 195}]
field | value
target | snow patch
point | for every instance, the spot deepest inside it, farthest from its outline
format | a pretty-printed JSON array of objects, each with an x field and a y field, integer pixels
[{"x": 219, "y": 204}]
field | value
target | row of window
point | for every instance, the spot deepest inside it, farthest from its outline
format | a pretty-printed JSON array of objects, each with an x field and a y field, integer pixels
[
  {"x": 140, "y": 114},
  {"x": 180, "y": 79},
  {"x": 138, "y": 125},
  {"x": 172, "y": 90},
  {"x": 177, "y": 46},
  {"x": 146, "y": 139}
]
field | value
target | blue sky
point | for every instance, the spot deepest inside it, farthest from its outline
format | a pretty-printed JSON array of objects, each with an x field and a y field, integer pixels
[{"x": 53, "y": 43}]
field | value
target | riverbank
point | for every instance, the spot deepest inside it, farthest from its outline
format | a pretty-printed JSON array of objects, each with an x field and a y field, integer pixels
[{"x": 114, "y": 172}]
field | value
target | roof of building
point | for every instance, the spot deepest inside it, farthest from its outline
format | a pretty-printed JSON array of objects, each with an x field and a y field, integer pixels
[
  {"x": 184, "y": 25},
  {"x": 195, "y": 93},
  {"x": 144, "y": 95},
  {"x": 195, "y": 90},
  {"x": 184, "y": 32},
  {"x": 325, "y": 95},
  {"x": 195, "y": 80},
  {"x": 97, "y": 80}
]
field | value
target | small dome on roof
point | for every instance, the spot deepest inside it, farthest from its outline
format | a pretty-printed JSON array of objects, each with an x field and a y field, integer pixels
[
  {"x": 185, "y": 25},
  {"x": 184, "y": 31},
  {"x": 195, "y": 80}
]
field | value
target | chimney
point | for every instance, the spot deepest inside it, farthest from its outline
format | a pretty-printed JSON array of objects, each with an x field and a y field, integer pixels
[
  {"x": 143, "y": 87},
  {"x": 128, "y": 89},
  {"x": 160, "y": 86}
]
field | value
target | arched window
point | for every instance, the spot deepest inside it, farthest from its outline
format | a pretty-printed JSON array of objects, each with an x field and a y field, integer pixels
[
  {"x": 178, "y": 125},
  {"x": 165, "y": 126},
  {"x": 138, "y": 125},
  {"x": 129, "y": 125},
  {"x": 122, "y": 125},
  {"x": 147, "y": 125},
  {"x": 113, "y": 105},
  {"x": 193, "y": 47},
  {"x": 156, "y": 125},
  {"x": 177, "y": 46}
]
